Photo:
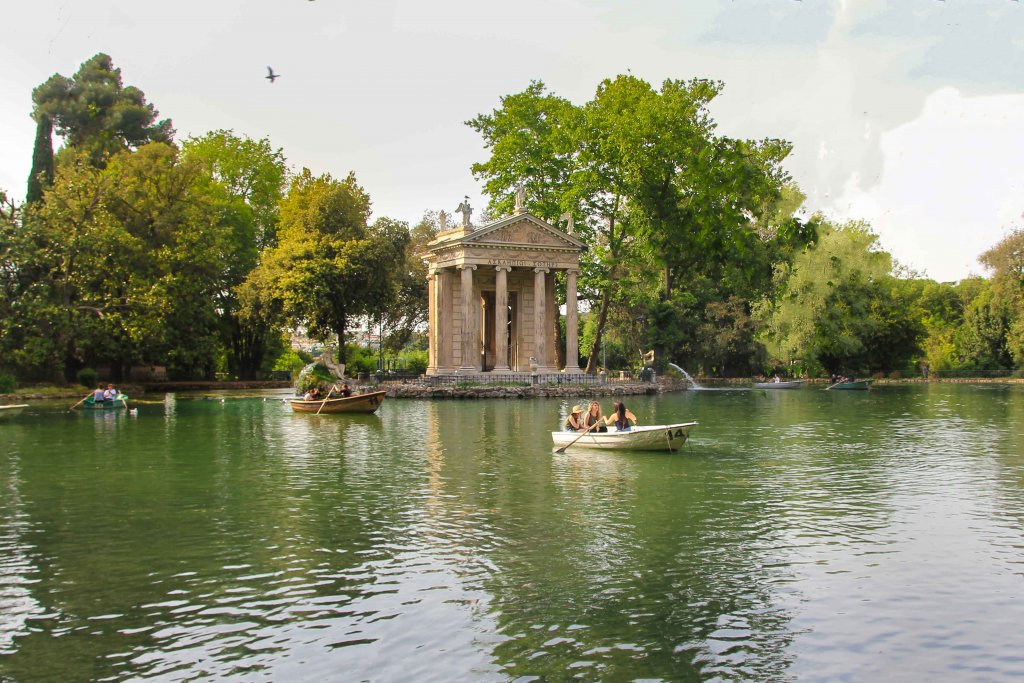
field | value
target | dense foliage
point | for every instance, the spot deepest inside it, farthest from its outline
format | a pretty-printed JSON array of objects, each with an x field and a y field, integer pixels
[{"x": 132, "y": 251}]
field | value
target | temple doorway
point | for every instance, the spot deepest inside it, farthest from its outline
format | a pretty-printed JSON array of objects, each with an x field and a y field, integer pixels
[{"x": 488, "y": 336}]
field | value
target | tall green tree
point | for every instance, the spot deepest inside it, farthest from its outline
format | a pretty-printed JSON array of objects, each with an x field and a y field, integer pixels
[
  {"x": 1005, "y": 261},
  {"x": 96, "y": 113},
  {"x": 41, "y": 175},
  {"x": 249, "y": 177},
  {"x": 839, "y": 309},
  {"x": 649, "y": 181},
  {"x": 122, "y": 265},
  {"x": 329, "y": 266}
]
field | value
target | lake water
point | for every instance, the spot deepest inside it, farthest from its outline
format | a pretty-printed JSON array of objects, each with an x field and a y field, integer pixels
[{"x": 800, "y": 535}]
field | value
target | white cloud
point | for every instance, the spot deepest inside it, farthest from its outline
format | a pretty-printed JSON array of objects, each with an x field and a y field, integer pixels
[{"x": 952, "y": 183}]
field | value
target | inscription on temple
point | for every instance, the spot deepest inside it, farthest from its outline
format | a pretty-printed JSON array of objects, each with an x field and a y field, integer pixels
[{"x": 516, "y": 263}]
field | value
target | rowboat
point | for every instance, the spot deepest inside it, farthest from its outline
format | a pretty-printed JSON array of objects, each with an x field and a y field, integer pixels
[
  {"x": 647, "y": 438},
  {"x": 852, "y": 384},
  {"x": 789, "y": 384},
  {"x": 363, "y": 403},
  {"x": 12, "y": 409},
  {"x": 120, "y": 402}
]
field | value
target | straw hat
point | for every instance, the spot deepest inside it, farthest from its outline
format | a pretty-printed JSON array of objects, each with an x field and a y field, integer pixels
[{"x": 576, "y": 409}]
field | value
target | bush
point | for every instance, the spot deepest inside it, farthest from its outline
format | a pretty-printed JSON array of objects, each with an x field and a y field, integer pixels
[
  {"x": 291, "y": 361},
  {"x": 87, "y": 378},
  {"x": 414, "y": 361},
  {"x": 7, "y": 383}
]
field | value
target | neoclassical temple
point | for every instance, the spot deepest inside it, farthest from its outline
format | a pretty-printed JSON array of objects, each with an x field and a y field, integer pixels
[{"x": 492, "y": 295}]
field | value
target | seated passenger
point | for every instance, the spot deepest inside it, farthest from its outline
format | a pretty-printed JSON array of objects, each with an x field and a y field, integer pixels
[
  {"x": 97, "y": 396},
  {"x": 110, "y": 393},
  {"x": 621, "y": 417},
  {"x": 574, "y": 422},
  {"x": 593, "y": 421}
]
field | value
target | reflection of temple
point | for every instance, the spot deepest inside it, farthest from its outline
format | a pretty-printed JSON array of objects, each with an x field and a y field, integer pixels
[{"x": 492, "y": 296}]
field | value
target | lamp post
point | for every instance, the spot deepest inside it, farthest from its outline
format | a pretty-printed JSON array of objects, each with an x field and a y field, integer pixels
[{"x": 380, "y": 344}]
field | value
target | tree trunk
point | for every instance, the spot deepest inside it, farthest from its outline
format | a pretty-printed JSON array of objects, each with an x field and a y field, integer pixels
[
  {"x": 602, "y": 317},
  {"x": 341, "y": 339},
  {"x": 559, "y": 341}
]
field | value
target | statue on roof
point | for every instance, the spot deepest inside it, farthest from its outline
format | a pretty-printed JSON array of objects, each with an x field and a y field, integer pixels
[
  {"x": 442, "y": 221},
  {"x": 466, "y": 210},
  {"x": 567, "y": 216},
  {"x": 520, "y": 197}
]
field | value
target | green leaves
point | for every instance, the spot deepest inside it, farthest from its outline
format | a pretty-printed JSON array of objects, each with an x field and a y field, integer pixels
[
  {"x": 96, "y": 114},
  {"x": 329, "y": 265}
]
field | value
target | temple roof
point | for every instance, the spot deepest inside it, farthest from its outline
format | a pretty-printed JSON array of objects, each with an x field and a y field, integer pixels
[{"x": 522, "y": 230}]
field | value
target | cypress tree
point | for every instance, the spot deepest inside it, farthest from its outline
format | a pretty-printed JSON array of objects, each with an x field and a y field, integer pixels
[{"x": 41, "y": 176}]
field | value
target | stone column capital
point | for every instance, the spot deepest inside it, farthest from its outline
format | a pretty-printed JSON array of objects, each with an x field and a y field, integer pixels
[
  {"x": 541, "y": 270},
  {"x": 572, "y": 271},
  {"x": 466, "y": 266},
  {"x": 507, "y": 269}
]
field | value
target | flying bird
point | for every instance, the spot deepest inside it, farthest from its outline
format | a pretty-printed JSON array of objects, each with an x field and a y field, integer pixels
[{"x": 271, "y": 75}]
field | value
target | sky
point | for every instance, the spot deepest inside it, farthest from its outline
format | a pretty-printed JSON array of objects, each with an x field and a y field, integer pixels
[{"x": 906, "y": 114}]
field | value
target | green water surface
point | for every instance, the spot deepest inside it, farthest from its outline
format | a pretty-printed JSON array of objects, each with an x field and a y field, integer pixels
[{"x": 800, "y": 535}]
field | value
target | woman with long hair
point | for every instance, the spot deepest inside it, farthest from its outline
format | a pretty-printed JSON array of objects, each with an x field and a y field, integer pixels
[{"x": 621, "y": 417}]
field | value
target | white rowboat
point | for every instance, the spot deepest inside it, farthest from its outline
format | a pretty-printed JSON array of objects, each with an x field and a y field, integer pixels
[
  {"x": 646, "y": 438},
  {"x": 789, "y": 384},
  {"x": 12, "y": 410}
]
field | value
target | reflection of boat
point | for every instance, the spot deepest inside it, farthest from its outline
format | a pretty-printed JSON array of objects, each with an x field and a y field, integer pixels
[
  {"x": 120, "y": 402},
  {"x": 647, "y": 438},
  {"x": 789, "y": 384},
  {"x": 363, "y": 403},
  {"x": 852, "y": 384},
  {"x": 12, "y": 410}
]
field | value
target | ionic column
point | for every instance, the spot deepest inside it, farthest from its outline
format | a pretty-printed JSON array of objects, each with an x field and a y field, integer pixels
[
  {"x": 443, "y": 330},
  {"x": 572, "y": 317},
  {"x": 431, "y": 324},
  {"x": 470, "y": 332},
  {"x": 501, "y": 318},
  {"x": 540, "y": 328}
]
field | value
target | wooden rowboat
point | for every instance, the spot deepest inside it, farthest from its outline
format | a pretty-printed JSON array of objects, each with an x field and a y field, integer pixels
[
  {"x": 363, "y": 403},
  {"x": 647, "y": 438},
  {"x": 12, "y": 409},
  {"x": 852, "y": 384},
  {"x": 789, "y": 384},
  {"x": 120, "y": 402}
]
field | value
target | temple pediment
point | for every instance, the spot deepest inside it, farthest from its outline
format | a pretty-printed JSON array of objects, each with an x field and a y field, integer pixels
[{"x": 522, "y": 231}]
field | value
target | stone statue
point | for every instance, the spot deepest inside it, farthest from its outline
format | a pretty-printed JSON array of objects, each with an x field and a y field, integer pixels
[
  {"x": 442, "y": 221},
  {"x": 520, "y": 198},
  {"x": 467, "y": 211},
  {"x": 567, "y": 216}
]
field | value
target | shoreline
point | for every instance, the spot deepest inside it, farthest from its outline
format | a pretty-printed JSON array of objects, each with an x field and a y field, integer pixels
[{"x": 413, "y": 390}]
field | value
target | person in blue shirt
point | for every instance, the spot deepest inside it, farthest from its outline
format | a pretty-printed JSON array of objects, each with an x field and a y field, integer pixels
[{"x": 621, "y": 417}]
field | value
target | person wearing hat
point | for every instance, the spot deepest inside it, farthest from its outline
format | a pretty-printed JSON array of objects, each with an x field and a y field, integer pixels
[{"x": 574, "y": 422}]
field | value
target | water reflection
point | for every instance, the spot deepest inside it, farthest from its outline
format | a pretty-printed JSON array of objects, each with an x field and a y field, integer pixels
[{"x": 17, "y": 571}]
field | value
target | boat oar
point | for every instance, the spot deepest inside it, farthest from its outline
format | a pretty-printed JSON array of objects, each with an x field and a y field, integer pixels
[
  {"x": 121, "y": 396},
  {"x": 562, "y": 449},
  {"x": 80, "y": 402},
  {"x": 325, "y": 401}
]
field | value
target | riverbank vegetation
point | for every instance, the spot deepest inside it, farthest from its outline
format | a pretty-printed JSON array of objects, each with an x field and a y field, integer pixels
[{"x": 200, "y": 255}]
